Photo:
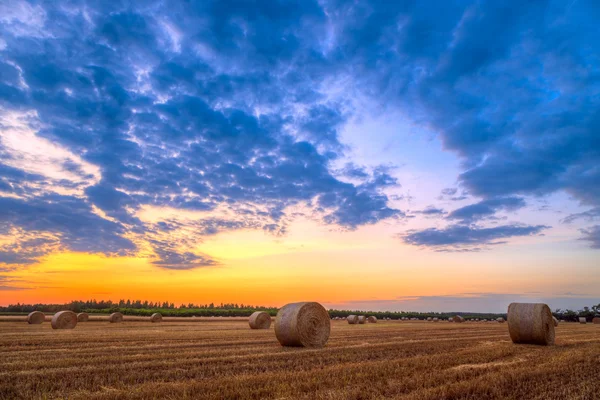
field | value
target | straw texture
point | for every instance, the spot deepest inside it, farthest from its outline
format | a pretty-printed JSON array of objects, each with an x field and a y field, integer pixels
[
  {"x": 64, "y": 320},
  {"x": 260, "y": 320},
  {"x": 304, "y": 324},
  {"x": 156, "y": 317},
  {"x": 36, "y": 317},
  {"x": 352, "y": 319},
  {"x": 115, "y": 317},
  {"x": 530, "y": 323}
]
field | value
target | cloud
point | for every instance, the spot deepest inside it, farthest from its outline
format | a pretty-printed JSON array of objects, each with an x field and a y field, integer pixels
[
  {"x": 486, "y": 209},
  {"x": 457, "y": 237},
  {"x": 592, "y": 235},
  {"x": 431, "y": 211},
  {"x": 203, "y": 109}
]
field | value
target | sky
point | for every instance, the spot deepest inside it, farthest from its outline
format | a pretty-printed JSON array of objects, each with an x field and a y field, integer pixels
[{"x": 411, "y": 155}]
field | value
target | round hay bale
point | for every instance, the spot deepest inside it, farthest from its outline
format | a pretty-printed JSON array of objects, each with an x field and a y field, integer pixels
[
  {"x": 156, "y": 317},
  {"x": 555, "y": 321},
  {"x": 64, "y": 320},
  {"x": 115, "y": 317},
  {"x": 260, "y": 320},
  {"x": 362, "y": 319},
  {"x": 372, "y": 319},
  {"x": 352, "y": 319},
  {"x": 500, "y": 319},
  {"x": 83, "y": 317},
  {"x": 530, "y": 323},
  {"x": 428, "y": 318},
  {"x": 458, "y": 318},
  {"x": 596, "y": 320},
  {"x": 582, "y": 320},
  {"x": 36, "y": 317},
  {"x": 436, "y": 319},
  {"x": 304, "y": 324}
]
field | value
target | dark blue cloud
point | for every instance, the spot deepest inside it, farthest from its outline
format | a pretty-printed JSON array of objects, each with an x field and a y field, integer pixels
[
  {"x": 431, "y": 211},
  {"x": 230, "y": 104},
  {"x": 457, "y": 237},
  {"x": 194, "y": 108},
  {"x": 592, "y": 235},
  {"x": 486, "y": 208}
]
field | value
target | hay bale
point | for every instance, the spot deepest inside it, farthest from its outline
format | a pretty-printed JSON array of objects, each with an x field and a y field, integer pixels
[
  {"x": 436, "y": 319},
  {"x": 156, "y": 317},
  {"x": 428, "y": 318},
  {"x": 352, "y": 319},
  {"x": 260, "y": 320},
  {"x": 458, "y": 318},
  {"x": 115, "y": 317},
  {"x": 64, "y": 320},
  {"x": 36, "y": 317},
  {"x": 530, "y": 323},
  {"x": 362, "y": 319},
  {"x": 582, "y": 320},
  {"x": 555, "y": 321},
  {"x": 596, "y": 320},
  {"x": 304, "y": 324},
  {"x": 372, "y": 319},
  {"x": 500, "y": 319},
  {"x": 83, "y": 317}
]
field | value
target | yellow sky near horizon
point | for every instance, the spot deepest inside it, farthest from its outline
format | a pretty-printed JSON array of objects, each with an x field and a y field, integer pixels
[{"x": 310, "y": 263}]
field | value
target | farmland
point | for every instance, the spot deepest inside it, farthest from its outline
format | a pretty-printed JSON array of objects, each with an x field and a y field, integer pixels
[{"x": 222, "y": 358}]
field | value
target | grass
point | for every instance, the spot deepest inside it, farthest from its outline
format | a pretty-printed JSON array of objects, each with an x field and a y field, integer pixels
[{"x": 226, "y": 359}]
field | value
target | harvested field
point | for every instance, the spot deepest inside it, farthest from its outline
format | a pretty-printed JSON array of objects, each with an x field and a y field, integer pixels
[{"x": 226, "y": 359}]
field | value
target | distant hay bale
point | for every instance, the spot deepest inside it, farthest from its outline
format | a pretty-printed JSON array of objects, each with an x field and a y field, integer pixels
[
  {"x": 372, "y": 319},
  {"x": 596, "y": 320},
  {"x": 260, "y": 320},
  {"x": 156, "y": 317},
  {"x": 582, "y": 320},
  {"x": 362, "y": 319},
  {"x": 458, "y": 318},
  {"x": 115, "y": 317},
  {"x": 436, "y": 319},
  {"x": 36, "y": 317},
  {"x": 352, "y": 319},
  {"x": 304, "y": 324},
  {"x": 500, "y": 319},
  {"x": 64, "y": 320},
  {"x": 555, "y": 321},
  {"x": 530, "y": 323},
  {"x": 428, "y": 318},
  {"x": 83, "y": 317}
]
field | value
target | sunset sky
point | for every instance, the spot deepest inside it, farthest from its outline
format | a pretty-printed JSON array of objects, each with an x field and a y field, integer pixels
[{"x": 415, "y": 155}]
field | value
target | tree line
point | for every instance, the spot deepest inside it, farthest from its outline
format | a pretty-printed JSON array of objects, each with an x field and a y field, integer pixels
[{"x": 146, "y": 308}]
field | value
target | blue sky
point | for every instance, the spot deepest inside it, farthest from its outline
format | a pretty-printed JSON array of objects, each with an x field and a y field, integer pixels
[{"x": 451, "y": 127}]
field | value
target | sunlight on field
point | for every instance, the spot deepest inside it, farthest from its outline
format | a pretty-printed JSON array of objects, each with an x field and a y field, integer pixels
[{"x": 225, "y": 359}]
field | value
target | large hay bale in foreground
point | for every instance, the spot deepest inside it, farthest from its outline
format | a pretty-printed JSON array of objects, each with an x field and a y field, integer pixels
[
  {"x": 352, "y": 319},
  {"x": 582, "y": 320},
  {"x": 555, "y": 321},
  {"x": 83, "y": 317},
  {"x": 304, "y": 324},
  {"x": 458, "y": 318},
  {"x": 362, "y": 319},
  {"x": 156, "y": 317},
  {"x": 64, "y": 320},
  {"x": 596, "y": 320},
  {"x": 260, "y": 320},
  {"x": 372, "y": 319},
  {"x": 115, "y": 317},
  {"x": 530, "y": 323},
  {"x": 36, "y": 317}
]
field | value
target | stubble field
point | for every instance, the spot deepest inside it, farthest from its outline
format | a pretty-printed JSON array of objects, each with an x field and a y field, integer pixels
[{"x": 226, "y": 360}]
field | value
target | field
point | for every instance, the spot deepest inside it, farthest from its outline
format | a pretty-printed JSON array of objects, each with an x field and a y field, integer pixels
[{"x": 225, "y": 359}]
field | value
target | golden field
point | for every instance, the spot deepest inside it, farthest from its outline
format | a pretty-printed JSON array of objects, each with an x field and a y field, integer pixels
[{"x": 223, "y": 358}]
